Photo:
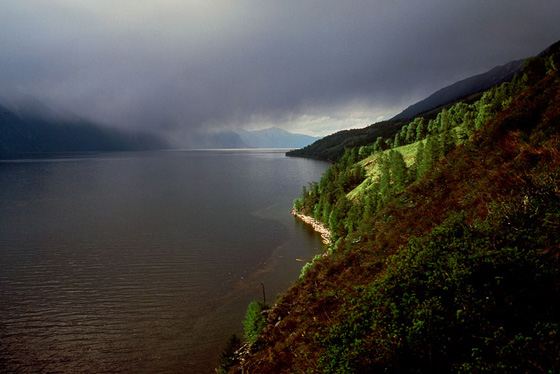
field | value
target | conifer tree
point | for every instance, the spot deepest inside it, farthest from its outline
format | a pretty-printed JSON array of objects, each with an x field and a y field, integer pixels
[
  {"x": 399, "y": 172},
  {"x": 367, "y": 213},
  {"x": 421, "y": 130},
  {"x": 433, "y": 127},
  {"x": 411, "y": 132},
  {"x": 444, "y": 123},
  {"x": 446, "y": 141},
  {"x": 385, "y": 177},
  {"x": 468, "y": 119},
  {"x": 397, "y": 141},
  {"x": 379, "y": 145},
  {"x": 430, "y": 155},
  {"x": 419, "y": 160}
]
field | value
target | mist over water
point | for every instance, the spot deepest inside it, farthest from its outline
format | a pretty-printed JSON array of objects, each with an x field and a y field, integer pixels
[{"x": 142, "y": 262}]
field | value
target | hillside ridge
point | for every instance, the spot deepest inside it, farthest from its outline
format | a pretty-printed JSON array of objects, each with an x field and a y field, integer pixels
[
  {"x": 25, "y": 133},
  {"x": 462, "y": 89},
  {"x": 442, "y": 263},
  {"x": 331, "y": 147}
]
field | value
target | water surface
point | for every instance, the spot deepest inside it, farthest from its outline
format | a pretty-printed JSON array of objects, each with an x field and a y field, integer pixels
[{"x": 142, "y": 262}]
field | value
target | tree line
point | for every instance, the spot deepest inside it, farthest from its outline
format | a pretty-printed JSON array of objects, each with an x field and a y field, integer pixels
[{"x": 327, "y": 201}]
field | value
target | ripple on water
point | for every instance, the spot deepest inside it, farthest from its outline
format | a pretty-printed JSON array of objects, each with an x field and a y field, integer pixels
[{"x": 132, "y": 263}]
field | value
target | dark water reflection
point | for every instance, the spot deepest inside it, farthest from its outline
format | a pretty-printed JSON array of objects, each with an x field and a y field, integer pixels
[{"x": 142, "y": 262}]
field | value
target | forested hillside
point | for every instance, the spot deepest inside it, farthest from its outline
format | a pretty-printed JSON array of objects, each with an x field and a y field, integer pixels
[
  {"x": 445, "y": 254},
  {"x": 332, "y": 147}
]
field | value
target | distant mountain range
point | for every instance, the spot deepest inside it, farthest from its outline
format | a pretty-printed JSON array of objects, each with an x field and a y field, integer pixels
[
  {"x": 272, "y": 137},
  {"x": 32, "y": 132},
  {"x": 275, "y": 137},
  {"x": 331, "y": 147},
  {"x": 28, "y": 132}
]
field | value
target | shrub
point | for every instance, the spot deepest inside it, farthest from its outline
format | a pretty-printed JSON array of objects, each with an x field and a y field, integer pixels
[
  {"x": 309, "y": 265},
  {"x": 254, "y": 321},
  {"x": 466, "y": 297}
]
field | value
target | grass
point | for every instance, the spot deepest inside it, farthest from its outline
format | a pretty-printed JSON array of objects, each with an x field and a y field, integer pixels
[
  {"x": 452, "y": 275},
  {"x": 408, "y": 152},
  {"x": 371, "y": 167}
]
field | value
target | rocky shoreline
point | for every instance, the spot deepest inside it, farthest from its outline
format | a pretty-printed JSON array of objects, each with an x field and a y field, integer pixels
[{"x": 316, "y": 225}]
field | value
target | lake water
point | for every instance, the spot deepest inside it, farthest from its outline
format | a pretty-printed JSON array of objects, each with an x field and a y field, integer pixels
[{"x": 143, "y": 262}]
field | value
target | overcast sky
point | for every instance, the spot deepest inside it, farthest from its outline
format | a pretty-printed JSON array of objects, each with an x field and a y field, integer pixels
[{"x": 178, "y": 66}]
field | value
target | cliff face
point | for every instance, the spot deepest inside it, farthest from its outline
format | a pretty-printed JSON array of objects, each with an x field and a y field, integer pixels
[{"x": 455, "y": 271}]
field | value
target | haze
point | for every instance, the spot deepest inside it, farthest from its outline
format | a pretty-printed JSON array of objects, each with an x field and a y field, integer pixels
[{"x": 180, "y": 67}]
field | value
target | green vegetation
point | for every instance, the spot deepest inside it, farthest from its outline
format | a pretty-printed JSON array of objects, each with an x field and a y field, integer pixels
[
  {"x": 365, "y": 178},
  {"x": 332, "y": 147},
  {"x": 444, "y": 303},
  {"x": 254, "y": 321},
  {"x": 309, "y": 265},
  {"x": 253, "y": 325},
  {"x": 446, "y": 254}
]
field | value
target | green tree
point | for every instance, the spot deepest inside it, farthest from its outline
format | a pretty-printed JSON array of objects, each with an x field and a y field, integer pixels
[
  {"x": 447, "y": 141},
  {"x": 411, "y": 132},
  {"x": 379, "y": 145},
  {"x": 430, "y": 155},
  {"x": 468, "y": 120},
  {"x": 421, "y": 129},
  {"x": 419, "y": 161},
  {"x": 433, "y": 127},
  {"x": 397, "y": 140},
  {"x": 399, "y": 172},
  {"x": 444, "y": 122},
  {"x": 298, "y": 204},
  {"x": 354, "y": 216},
  {"x": 384, "y": 177},
  {"x": 254, "y": 321}
]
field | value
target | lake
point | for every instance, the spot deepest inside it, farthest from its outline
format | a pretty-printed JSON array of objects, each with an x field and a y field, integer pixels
[{"x": 143, "y": 262}]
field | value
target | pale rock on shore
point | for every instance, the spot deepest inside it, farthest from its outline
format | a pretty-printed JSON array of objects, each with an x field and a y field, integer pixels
[{"x": 316, "y": 225}]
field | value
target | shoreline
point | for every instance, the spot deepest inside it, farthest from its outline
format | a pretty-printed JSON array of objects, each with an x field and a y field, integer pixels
[{"x": 316, "y": 225}]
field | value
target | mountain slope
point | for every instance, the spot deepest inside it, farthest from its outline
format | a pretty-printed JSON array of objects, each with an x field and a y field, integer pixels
[
  {"x": 444, "y": 264},
  {"x": 332, "y": 147},
  {"x": 267, "y": 138},
  {"x": 274, "y": 137},
  {"x": 216, "y": 140},
  {"x": 31, "y": 133},
  {"x": 462, "y": 89}
]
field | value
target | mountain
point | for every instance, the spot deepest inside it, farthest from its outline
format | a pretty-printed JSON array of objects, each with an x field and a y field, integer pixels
[
  {"x": 272, "y": 137},
  {"x": 332, "y": 147},
  {"x": 217, "y": 140},
  {"x": 462, "y": 89},
  {"x": 444, "y": 251},
  {"x": 275, "y": 137},
  {"x": 30, "y": 132}
]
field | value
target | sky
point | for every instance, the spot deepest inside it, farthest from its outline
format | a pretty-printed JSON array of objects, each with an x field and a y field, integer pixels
[{"x": 179, "y": 67}]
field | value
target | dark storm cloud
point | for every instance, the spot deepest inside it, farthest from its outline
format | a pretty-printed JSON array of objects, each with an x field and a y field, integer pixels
[{"x": 181, "y": 66}]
